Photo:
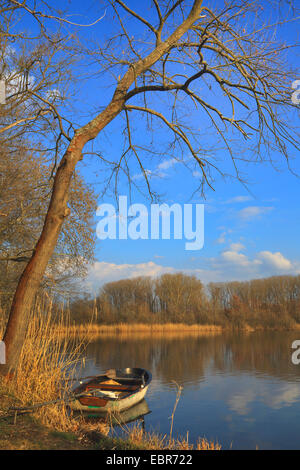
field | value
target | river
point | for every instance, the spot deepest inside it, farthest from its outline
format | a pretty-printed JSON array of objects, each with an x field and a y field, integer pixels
[{"x": 240, "y": 389}]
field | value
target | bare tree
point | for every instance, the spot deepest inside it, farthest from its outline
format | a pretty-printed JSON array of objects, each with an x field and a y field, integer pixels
[{"x": 220, "y": 66}]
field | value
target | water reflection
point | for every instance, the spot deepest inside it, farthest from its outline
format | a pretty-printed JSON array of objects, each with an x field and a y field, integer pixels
[
  {"x": 187, "y": 358},
  {"x": 135, "y": 413},
  {"x": 240, "y": 389}
]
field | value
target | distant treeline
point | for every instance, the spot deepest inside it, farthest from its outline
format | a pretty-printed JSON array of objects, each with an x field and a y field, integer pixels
[{"x": 178, "y": 298}]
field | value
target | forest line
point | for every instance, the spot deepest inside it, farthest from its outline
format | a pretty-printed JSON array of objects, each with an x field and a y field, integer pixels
[{"x": 272, "y": 302}]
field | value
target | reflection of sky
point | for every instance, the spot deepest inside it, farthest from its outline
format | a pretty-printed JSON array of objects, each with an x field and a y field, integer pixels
[
  {"x": 239, "y": 411},
  {"x": 286, "y": 395}
]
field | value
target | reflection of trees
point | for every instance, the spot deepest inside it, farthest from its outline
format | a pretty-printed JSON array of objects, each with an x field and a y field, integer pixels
[
  {"x": 179, "y": 359},
  {"x": 187, "y": 359},
  {"x": 265, "y": 353}
]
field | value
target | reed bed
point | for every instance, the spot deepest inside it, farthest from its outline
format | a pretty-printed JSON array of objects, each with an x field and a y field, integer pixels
[
  {"x": 94, "y": 330},
  {"x": 47, "y": 363},
  {"x": 154, "y": 441}
]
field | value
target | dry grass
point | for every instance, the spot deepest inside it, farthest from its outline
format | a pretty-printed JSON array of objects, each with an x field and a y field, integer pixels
[
  {"x": 151, "y": 441},
  {"x": 94, "y": 330},
  {"x": 46, "y": 363},
  {"x": 2, "y": 322}
]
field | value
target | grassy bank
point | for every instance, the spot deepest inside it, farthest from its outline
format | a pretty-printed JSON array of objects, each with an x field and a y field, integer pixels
[
  {"x": 26, "y": 432},
  {"x": 29, "y": 432}
]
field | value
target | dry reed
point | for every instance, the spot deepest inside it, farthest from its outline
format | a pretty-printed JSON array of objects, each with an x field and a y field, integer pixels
[
  {"x": 154, "y": 441},
  {"x": 94, "y": 330},
  {"x": 2, "y": 321},
  {"x": 46, "y": 364}
]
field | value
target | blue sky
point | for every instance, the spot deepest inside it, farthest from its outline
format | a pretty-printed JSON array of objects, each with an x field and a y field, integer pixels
[{"x": 248, "y": 233}]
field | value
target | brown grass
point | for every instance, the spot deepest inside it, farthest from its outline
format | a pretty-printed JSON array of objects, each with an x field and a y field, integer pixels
[
  {"x": 152, "y": 441},
  {"x": 94, "y": 330},
  {"x": 46, "y": 363},
  {"x": 2, "y": 322}
]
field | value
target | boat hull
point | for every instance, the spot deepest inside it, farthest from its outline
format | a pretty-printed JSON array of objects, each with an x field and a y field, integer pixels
[
  {"x": 133, "y": 413},
  {"x": 128, "y": 386}
]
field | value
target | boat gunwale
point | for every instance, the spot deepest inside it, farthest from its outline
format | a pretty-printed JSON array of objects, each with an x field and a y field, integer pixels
[{"x": 137, "y": 374}]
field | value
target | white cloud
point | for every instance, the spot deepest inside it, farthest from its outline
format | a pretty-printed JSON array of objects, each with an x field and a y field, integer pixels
[
  {"x": 238, "y": 199},
  {"x": 235, "y": 265},
  {"x": 237, "y": 246},
  {"x": 235, "y": 258},
  {"x": 166, "y": 164},
  {"x": 221, "y": 239},
  {"x": 230, "y": 265},
  {"x": 101, "y": 272},
  {"x": 139, "y": 176},
  {"x": 53, "y": 95},
  {"x": 252, "y": 212},
  {"x": 159, "y": 171},
  {"x": 275, "y": 260},
  {"x": 225, "y": 232},
  {"x": 15, "y": 82}
]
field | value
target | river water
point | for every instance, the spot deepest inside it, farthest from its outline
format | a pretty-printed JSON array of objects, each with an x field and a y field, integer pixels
[{"x": 240, "y": 389}]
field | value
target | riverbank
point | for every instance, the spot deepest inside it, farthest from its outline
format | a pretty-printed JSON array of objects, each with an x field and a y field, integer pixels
[
  {"x": 27, "y": 432},
  {"x": 94, "y": 330}
]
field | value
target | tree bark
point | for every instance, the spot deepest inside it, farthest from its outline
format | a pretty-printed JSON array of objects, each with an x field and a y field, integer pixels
[{"x": 30, "y": 280}]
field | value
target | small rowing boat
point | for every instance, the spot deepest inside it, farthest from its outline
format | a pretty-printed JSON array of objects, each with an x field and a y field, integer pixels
[{"x": 115, "y": 391}]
